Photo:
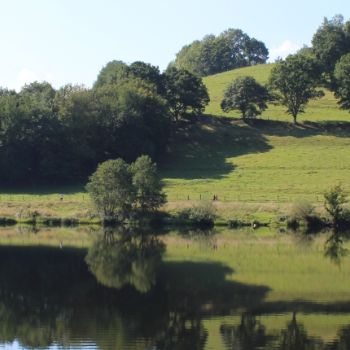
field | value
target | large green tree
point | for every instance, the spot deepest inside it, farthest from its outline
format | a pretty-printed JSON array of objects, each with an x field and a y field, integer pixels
[
  {"x": 330, "y": 42},
  {"x": 246, "y": 95},
  {"x": 185, "y": 93},
  {"x": 295, "y": 80},
  {"x": 231, "y": 49},
  {"x": 111, "y": 190},
  {"x": 112, "y": 73},
  {"x": 342, "y": 81}
]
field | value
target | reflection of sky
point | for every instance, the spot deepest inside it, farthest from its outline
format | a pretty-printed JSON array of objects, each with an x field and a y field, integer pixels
[{"x": 16, "y": 346}]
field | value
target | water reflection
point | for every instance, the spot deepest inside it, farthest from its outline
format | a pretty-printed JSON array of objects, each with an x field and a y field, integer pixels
[
  {"x": 334, "y": 246},
  {"x": 119, "y": 294},
  {"x": 248, "y": 335},
  {"x": 122, "y": 257}
]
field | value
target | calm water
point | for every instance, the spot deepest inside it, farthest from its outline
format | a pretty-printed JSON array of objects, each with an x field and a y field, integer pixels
[{"x": 121, "y": 293}]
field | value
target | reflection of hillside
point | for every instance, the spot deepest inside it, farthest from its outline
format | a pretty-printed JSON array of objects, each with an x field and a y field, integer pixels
[{"x": 49, "y": 296}]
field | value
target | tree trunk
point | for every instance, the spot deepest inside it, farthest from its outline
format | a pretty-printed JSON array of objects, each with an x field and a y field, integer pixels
[{"x": 295, "y": 119}]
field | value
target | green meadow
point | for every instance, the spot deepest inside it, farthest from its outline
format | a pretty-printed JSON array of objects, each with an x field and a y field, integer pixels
[{"x": 256, "y": 168}]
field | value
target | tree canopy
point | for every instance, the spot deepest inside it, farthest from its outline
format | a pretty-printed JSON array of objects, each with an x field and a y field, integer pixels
[
  {"x": 330, "y": 42},
  {"x": 295, "y": 80},
  {"x": 185, "y": 93},
  {"x": 213, "y": 54},
  {"x": 342, "y": 81},
  {"x": 246, "y": 95},
  {"x": 118, "y": 189}
]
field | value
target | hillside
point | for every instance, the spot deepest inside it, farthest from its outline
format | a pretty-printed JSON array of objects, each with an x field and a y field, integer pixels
[
  {"x": 323, "y": 109},
  {"x": 268, "y": 160}
]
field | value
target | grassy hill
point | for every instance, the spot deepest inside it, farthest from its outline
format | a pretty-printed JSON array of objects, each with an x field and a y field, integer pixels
[
  {"x": 323, "y": 109},
  {"x": 268, "y": 160}
]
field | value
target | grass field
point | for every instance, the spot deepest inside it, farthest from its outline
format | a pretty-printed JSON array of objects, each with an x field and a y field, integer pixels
[{"x": 256, "y": 168}]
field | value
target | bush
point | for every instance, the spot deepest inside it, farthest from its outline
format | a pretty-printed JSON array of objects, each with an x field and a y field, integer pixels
[
  {"x": 303, "y": 214},
  {"x": 202, "y": 214},
  {"x": 301, "y": 210}
]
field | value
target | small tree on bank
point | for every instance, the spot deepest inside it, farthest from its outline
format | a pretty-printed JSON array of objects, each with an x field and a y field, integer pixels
[
  {"x": 147, "y": 185},
  {"x": 335, "y": 199},
  {"x": 116, "y": 188},
  {"x": 110, "y": 189},
  {"x": 246, "y": 95},
  {"x": 295, "y": 79}
]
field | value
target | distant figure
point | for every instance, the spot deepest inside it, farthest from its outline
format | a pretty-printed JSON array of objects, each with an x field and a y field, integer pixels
[
  {"x": 61, "y": 244},
  {"x": 61, "y": 197}
]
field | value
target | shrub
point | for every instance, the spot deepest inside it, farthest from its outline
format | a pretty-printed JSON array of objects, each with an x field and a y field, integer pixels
[
  {"x": 301, "y": 210},
  {"x": 202, "y": 214}
]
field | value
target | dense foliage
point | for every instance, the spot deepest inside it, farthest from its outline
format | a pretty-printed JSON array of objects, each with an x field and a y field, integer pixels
[
  {"x": 330, "y": 42},
  {"x": 118, "y": 190},
  {"x": 295, "y": 80},
  {"x": 342, "y": 81},
  {"x": 246, "y": 95},
  {"x": 213, "y": 54},
  {"x": 60, "y": 136}
]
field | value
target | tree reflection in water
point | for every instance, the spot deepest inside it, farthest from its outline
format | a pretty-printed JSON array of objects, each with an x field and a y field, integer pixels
[
  {"x": 248, "y": 335},
  {"x": 334, "y": 249},
  {"x": 122, "y": 257},
  {"x": 48, "y": 296}
]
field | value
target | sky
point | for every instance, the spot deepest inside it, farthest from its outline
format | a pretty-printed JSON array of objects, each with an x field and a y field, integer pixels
[{"x": 69, "y": 41}]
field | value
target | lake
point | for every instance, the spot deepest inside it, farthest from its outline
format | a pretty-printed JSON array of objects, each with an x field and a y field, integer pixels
[{"x": 228, "y": 289}]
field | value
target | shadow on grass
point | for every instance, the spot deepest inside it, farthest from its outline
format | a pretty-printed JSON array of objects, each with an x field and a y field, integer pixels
[
  {"x": 300, "y": 130},
  {"x": 38, "y": 190},
  {"x": 200, "y": 149}
]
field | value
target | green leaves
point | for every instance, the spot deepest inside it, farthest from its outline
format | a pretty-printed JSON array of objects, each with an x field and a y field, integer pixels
[
  {"x": 246, "y": 95},
  {"x": 213, "y": 54},
  {"x": 117, "y": 188},
  {"x": 295, "y": 80},
  {"x": 185, "y": 92},
  {"x": 342, "y": 79}
]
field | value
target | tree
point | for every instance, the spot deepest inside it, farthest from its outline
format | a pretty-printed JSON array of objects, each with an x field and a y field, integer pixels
[
  {"x": 112, "y": 73},
  {"x": 342, "y": 81},
  {"x": 185, "y": 92},
  {"x": 213, "y": 54},
  {"x": 295, "y": 79},
  {"x": 246, "y": 95},
  {"x": 148, "y": 187},
  {"x": 335, "y": 199},
  {"x": 111, "y": 190},
  {"x": 330, "y": 42},
  {"x": 147, "y": 73},
  {"x": 116, "y": 188}
]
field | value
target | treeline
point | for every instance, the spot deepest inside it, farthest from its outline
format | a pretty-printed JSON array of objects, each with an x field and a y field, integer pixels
[
  {"x": 214, "y": 54},
  {"x": 57, "y": 136}
]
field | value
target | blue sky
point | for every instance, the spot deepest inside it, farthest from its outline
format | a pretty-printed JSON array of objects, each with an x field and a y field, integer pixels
[{"x": 69, "y": 41}]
